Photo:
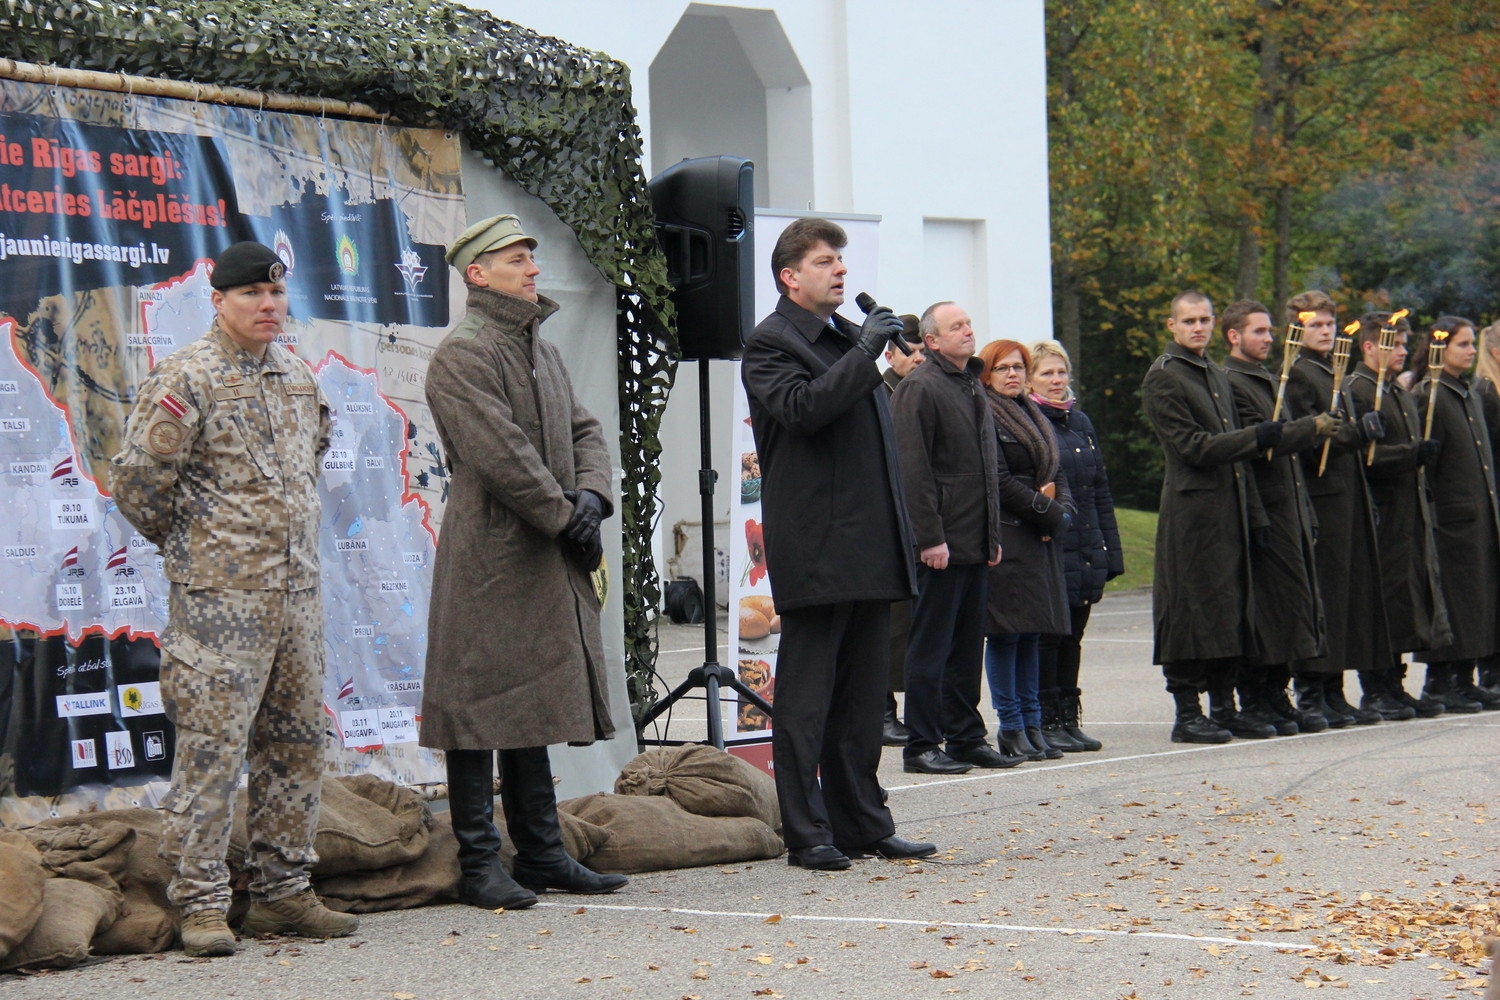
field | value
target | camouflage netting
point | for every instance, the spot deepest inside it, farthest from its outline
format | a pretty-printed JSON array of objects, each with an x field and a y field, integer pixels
[{"x": 555, "y": 118}]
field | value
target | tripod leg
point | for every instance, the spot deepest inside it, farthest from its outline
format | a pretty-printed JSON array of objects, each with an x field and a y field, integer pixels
[{"x": 715, "y": 722}]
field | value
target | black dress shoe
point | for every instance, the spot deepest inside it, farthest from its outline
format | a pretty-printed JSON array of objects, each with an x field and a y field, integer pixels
[
  {"x": 822, "y": 858},
  {"x": 934, "y": 762},
  {"x": 893, "y": 847},
  {"x": 895, "y": 733},
  {"x": 983, "y": 755}
]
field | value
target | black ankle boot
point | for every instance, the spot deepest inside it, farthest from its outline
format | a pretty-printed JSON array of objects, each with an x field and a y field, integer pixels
[
  {"x": 1221, "y": 709},
  {"x": 1070, "y": 705},
  {"x": 1281, "y": 704},
  {"x": 1427, "y": 708},
  {"x": 1191, "y": 725},
  {"x": 1256, "y": 706},
  {"x": 1379, "y": 696},
  {"x": 1014, "y": 743},
  {"x": 1035, "y": 738},
  {"x": 1463, "y": 683},
  {"x": 483, "y": 881},
  {"x": 1052, "y": 726},
  {"x": 530, "y": 802},
  {"x": 1441, "y": 688},
  {"x": 1310, "y": 706},
  {"x": 1333, "y": 698}
]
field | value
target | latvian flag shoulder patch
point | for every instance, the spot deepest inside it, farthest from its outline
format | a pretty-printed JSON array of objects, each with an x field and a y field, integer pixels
[{"x": 173, "y": 405}]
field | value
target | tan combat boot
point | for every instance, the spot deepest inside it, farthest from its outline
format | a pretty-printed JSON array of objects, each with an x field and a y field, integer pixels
[
  {"x": 303, "y": 914},
  {"x": 205, "y": 934}
]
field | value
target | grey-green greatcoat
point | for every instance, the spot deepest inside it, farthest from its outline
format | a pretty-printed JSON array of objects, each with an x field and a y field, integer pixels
[
  {"x": 1201, "y": 596},
  {"x": 1461, "y": 483},
  {"x": 1415, "y": 614},
  {"x": 1347, "y": 553},
  {"x": 514, "y": 654},
  {"x": 1288, "y": 608}
]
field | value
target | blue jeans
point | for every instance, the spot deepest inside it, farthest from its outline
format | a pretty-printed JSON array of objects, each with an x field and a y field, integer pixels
[{"x": 1010, "y": 664}]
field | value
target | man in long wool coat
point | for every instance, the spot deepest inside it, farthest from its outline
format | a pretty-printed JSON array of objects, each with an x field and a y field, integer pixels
[
  {"x": 838, "y": 548},
  {"x": 1202, "y": 602},
  {"x": 515, "y": 661}
]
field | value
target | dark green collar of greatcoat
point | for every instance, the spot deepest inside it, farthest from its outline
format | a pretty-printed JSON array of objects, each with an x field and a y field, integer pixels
[
  {"x": 1176, "y": 350},
  {"x": 1323, "y": 361},
  {"x": 1252, "y": 368},
  {"x": 1457, "y": 383}
]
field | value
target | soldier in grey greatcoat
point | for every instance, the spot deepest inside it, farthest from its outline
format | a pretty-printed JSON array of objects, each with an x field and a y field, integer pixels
[
  {"x": 1202, "y": 601},
  {"x": 515, "y": 661},
  {"x": 219, "y": 469}
]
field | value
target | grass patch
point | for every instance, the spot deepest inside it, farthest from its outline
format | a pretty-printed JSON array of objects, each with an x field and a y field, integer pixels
[{"x": 1138, "y": 539}]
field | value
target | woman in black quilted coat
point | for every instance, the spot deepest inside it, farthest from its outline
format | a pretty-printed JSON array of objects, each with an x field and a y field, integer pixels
[{"x": 1091, "y": 546}]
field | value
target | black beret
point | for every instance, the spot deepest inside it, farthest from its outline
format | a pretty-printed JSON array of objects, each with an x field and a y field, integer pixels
[{"x": 246, "y": 263}]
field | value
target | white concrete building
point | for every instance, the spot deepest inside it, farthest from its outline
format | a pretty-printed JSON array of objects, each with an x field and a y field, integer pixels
[{"x": 930, "y": 116}]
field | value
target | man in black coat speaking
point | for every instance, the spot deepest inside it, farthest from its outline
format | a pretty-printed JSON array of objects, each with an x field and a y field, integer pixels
[{"x": 838, "y": 548}]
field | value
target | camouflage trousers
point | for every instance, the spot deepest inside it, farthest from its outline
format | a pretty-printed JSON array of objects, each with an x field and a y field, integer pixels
[{"x": 242, "y": 673}]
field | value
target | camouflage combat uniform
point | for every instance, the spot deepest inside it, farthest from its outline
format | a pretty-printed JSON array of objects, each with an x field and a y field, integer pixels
[{"x": 219, "y": 469}]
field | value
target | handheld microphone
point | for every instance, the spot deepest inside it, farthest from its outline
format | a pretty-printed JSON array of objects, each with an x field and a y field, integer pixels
[{"x": 867, "y": 304}]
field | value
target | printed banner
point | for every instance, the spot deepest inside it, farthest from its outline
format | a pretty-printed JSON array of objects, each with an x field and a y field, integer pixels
[{"x": 111, "y": 207}]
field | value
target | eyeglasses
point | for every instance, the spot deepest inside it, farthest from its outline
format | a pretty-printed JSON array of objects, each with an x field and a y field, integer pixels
[{"x": 1009, "y": 369}]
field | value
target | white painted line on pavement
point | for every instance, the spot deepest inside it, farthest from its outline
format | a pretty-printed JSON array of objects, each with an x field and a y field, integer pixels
[
  {"x": 1021, "y": 928},
  {"x": 1011, "y": 772}
]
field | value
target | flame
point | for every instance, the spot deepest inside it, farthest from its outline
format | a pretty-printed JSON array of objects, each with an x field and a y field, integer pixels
[
  {"x": 1396, "y": 317},
  {"x": 1305, "y": 315},
  {"x": 1439, "y": 335},
  {"x": 1351, "y": 329}
]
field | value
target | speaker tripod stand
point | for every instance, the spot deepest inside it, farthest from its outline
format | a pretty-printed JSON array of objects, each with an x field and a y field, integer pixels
[{"x": 712, "y": 676}]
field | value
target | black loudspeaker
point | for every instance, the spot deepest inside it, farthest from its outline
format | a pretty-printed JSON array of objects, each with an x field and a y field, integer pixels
[{"x": 705, "y": 223}]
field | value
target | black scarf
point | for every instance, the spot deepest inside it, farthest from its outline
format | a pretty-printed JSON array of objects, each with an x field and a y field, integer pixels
[{"x": 1024, "y": 421}]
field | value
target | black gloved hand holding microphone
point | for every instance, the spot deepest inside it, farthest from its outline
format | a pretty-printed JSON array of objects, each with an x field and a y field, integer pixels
[{"x": 881, "y": 325}]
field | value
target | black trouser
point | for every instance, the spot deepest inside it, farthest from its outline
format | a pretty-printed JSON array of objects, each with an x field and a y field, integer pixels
[
  {"x": 1059, "y": 656},
  {"x": 945, "y": 659},
  {"x": 830, "y": 704},
  {"x": 1198, "y": 676}
]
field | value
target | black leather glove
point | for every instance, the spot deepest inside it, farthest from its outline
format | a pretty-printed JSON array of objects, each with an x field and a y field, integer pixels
[
  {"x": 586, "y": 555},
  {"x": 1268, "y": 434},
  {"x": 879, "y": 327},
  {"x": 1372, "y": 426},
  {"x": 1260, "y": 538},
  {"x": 588, "y": 511},
  {"x": 1428, "y": 449}
]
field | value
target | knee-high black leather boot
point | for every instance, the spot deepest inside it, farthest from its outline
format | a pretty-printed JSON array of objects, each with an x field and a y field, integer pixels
[
  {"x": 530, "y": 803},
  {"x": 484, "y": 882}
]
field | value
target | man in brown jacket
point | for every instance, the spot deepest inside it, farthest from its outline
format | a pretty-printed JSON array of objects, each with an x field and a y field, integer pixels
[{"x": 514, "y": 655}]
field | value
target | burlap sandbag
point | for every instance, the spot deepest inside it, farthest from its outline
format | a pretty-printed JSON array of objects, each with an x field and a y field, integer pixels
[
  {"x": 433, "y": 878},
  {"x": 143, "y": 927},
  {"x": 703, "y": 780},
  {"x": 653, "y": 833},
  {"x": 366, "y": 823},
  {"x": 93, "y": 850},
  {"x": 72, "y": 913},
  {"x": 22, "y": 878}
]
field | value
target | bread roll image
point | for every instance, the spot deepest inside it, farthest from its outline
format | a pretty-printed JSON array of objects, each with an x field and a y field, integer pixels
[
  {"x": 753, "y": 624},
  {"x": 761, "y": 603}
]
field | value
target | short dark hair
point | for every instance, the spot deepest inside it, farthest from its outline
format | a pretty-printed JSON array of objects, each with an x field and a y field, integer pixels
[
  {"x": 1371, "y": 322},
  {"x": 1191, "y": 295},
  {"x": 1240, "y": 310},
  {"x": 800, "y": 237}
]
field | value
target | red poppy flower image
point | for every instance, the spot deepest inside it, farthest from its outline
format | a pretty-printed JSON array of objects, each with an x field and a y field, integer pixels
[{"x": 755, "y": 543}]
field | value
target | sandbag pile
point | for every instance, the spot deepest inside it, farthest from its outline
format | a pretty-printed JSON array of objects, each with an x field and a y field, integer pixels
[{"x": 92, "y": 884}]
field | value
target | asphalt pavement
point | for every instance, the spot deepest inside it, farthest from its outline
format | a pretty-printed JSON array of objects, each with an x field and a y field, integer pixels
[{"x": 1361, "y": 860}]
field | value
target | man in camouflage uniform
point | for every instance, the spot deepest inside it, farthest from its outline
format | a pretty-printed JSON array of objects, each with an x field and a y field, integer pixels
[{"x": 219, "y": 469}]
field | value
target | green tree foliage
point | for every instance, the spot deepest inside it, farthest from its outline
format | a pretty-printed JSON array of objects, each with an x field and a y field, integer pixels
[{"x": 1251, "y": 148}]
